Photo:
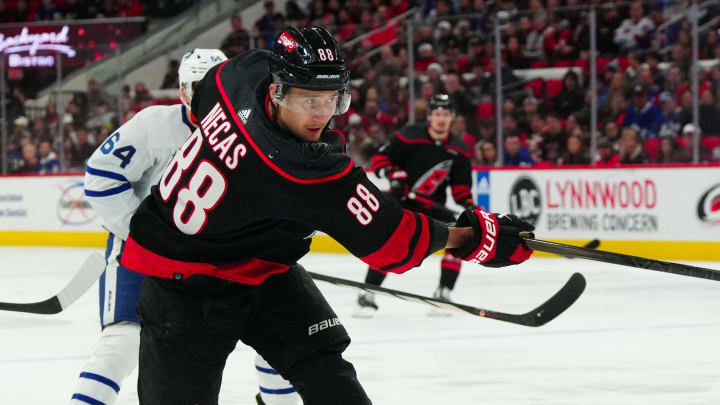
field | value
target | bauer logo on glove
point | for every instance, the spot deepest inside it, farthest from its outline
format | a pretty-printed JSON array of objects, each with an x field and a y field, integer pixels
[{"x": 497, "y": 241}]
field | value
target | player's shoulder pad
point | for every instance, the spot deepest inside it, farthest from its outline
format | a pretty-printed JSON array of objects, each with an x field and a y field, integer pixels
[
  {"x": 456, "y": 144},
  {"x": 307, "y": 162},
  {"x": 413, "y": 133},
  {"x": 331, "y": 141},
  {"x": 154, "y": 111}
]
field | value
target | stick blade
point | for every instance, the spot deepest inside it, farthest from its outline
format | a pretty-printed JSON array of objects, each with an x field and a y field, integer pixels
[
  {"x": 89, "y": 272},
  {"x": 48, "y": 307},
  {"x": 558, "y": 303}
]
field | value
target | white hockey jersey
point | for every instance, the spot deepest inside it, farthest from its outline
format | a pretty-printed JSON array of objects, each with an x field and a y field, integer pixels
[{"x": 122, "y": 170}]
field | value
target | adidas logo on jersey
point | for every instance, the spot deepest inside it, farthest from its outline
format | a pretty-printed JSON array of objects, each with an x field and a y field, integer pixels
[{"x": 244, "y": 115}]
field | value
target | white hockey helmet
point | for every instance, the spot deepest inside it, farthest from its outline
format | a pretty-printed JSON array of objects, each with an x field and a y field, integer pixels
[{"x": 194, "y": 65}]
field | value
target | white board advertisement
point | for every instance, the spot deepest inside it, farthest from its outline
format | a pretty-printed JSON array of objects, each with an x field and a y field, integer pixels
[
  {"x": 671, "y": 204},
  {"x": 48, "y": 203}
]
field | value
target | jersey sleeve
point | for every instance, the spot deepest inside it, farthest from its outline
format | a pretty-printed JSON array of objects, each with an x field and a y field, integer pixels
[
  {"x": 461, "y": 181},
  {"x": 370, "y": 224},
  {"x": 390, "y": 154},
  {"x": 111, "y": 171}
]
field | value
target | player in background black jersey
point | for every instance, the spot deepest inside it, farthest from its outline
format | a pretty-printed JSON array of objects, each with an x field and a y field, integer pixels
[
  {"x": 220, "y": 235},
  {"x": 420, "y": 161}
]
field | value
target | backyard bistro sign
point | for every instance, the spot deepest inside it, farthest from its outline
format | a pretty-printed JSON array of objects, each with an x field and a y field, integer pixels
[
  {"x": 22, "y": 49},
  {"x": 37, "y": 45}
]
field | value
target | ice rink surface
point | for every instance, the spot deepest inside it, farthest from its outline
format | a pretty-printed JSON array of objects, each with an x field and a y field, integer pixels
[{"x": 634, "y": 337}]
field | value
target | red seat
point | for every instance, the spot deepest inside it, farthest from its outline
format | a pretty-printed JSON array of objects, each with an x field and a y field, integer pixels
[
  {"x": 563, "y": 63},
  {"x": 622, "y": 63},
  {"x": 601, "y": 63},
  {"x": 553, "y": 88},
  {"x": 539, "y": 64},
  {"x": 711, "y": 142},
  {"x": 536, "y": 86},
  {"x": 485, "y": 110},
  {"x": 652, "y": 147},
  {"x": 582, "y": 63}
]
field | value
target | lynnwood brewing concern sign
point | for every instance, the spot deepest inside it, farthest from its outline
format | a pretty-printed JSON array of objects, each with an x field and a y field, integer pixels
[{"x": 636, "y": 204}]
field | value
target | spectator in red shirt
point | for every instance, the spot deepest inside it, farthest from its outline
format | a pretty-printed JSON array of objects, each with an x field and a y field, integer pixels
[
  {"x": 238, "y": 40},
  {"x": 398, "y": 7},
  {"x": 346, "y": 26},
  {"x": 557, "y": 41},
  {"x": 459, "y": 128},
  {"x": 130, "y": 8},
  {"x": 606, "y": 153},
  {"x": 373, "y": 115},
  {"x": 424, "y": 58}
]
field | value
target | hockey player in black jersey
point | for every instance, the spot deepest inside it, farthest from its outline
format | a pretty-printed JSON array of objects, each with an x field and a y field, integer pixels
[
  {"x": 420, "y": 161},
  {"x": 220, "y": 235}
]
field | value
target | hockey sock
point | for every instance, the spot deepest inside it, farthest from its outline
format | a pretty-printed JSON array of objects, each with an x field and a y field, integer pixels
[
  {"x": 114, "y": 358},
  {"x": 374, "y": 277},
  {"x": 274, "y": 389},
  {"x": 449, "y": 270}
]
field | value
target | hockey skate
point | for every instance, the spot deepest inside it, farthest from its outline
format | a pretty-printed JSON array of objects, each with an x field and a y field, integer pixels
[
  {"x": 366, "y": 305},
  {"x": 441, "y": 293}
]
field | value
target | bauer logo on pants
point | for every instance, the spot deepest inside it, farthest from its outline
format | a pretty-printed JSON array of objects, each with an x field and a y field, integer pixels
[
  {"x": 328, "y": 323},
  {"x": 708, "y": 208}
]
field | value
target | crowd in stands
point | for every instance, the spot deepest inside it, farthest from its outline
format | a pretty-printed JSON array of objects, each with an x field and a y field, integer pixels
[
  {"x": 19, "y": 11},
  {"x": 88, "y": 118},
  {"x": 643, "y": 82},
  {"x": 643, "y": 67}
]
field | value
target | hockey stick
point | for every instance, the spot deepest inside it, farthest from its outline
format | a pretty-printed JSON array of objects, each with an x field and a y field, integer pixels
[
  {"x": 414, "y": 197},
  {"x": 78, "y": 285},
  {"x": 539, "y": 316},
  {"x": 621, "y": 259}
]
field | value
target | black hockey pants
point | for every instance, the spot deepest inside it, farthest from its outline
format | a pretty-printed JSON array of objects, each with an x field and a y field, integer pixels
[{"x": 189, "y": 328}]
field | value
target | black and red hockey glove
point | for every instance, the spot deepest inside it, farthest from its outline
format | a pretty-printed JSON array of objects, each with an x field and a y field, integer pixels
[{"x": 497, "y": 241}]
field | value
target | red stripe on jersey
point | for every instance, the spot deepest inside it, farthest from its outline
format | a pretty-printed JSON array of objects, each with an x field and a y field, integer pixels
[
  {"x": 260, "y": 153},
  {"x": 424, "y": 200},
  {"x": 343, "y": 137},
  {"x": 396, "y": 251},
  {"x": 379, "y": 161},
  {"x": 406, "y": 140},
  {"x": 459, "y": 150},
  {"x": 459, "y": 191},
  {"x": 252, "y": 271}
]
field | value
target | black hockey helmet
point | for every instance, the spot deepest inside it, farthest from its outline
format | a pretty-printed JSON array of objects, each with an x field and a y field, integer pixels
[
  {"x": 310, "y": 58},
  {"x": 441, "y": 101}
]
